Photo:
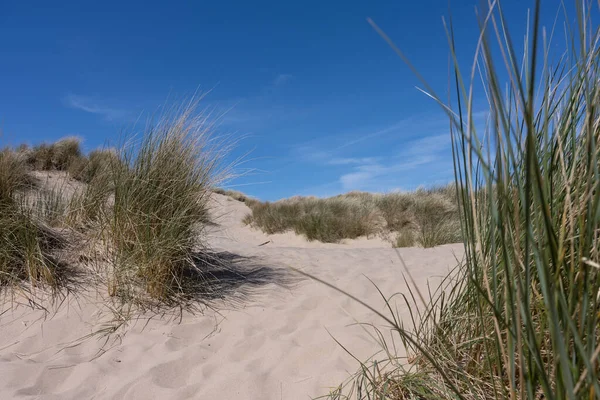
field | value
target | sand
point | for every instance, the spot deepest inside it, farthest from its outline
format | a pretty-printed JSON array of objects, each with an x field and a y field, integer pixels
[{"x": 272, "y": 337}]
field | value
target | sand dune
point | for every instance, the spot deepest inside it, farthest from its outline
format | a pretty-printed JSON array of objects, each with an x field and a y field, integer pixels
[{"x": 270, "y": 338}]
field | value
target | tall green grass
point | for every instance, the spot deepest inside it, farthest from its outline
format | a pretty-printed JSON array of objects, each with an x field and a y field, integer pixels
[
  {"x": 520, "y": 319},
  {"x": 160, "y": 207}
]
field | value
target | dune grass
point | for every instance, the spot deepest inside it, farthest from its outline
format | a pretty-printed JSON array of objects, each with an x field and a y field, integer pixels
[
  {"x": 141, "y": 210},
  {"x": 26, "y": 245},
  {"x": 48, "y": 205},
  {"x": 426, "y": 217},
  {"x": 13, "y": 175},
  {"x": 90, "y": 203},
  {"x": 236, "y": 195},
  {"x": 100, "y": 161},
  {"x": 97, "y": 171},
  {"x": 160, "y": 208},
  {"x": 55, "y": 156},
  {"x": 519, "y": 319}
]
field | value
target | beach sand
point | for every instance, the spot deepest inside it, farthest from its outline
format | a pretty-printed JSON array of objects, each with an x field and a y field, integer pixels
[{"x": 271, "y": 336}]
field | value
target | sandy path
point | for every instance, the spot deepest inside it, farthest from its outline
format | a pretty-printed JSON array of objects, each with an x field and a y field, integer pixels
[{"x": 273, "y": 343}]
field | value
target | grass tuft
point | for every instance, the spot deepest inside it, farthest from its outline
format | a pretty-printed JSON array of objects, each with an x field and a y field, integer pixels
[
  {"x": 56, "y": 156},
  {"x": 160, "y": 207},
  {"x": 13, "y": 175},
  {"x": 65, "y": 152},
  {"x": 102, "y": 161}
]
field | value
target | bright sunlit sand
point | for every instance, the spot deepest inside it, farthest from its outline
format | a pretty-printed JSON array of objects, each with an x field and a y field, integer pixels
[{"x": 271, "y": 338}]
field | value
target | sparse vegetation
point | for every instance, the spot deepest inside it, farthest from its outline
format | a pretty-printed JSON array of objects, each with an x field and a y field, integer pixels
[
  {"x": 48, "y": 205},
  {"x": 97, "y": 171},
  {"x": 234, "y": 194},
  {"x": 88, "y": 204},
  {"x": 519, "y": 319},
  {"x": 425, "y": 217}
]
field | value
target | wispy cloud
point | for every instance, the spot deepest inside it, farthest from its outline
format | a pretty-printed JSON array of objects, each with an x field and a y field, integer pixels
[
  {"x": 93, "y": 106},
  {"x": 282, "y": 79},
  {"x": 408, "y": 153},
  {"x": 351, "y": 160},
  {"x": 402, "y": 125},
  {"x": 423, "y": 160}
]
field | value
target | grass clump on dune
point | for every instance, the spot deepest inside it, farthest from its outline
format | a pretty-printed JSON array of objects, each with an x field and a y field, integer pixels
[
  {"x": 26, "y": 245},
  {"x": 56, "y": 156},
  {"x": 424, "y": 217},
  {"x": 98, "y": 162},
  {"x": 520, "y": 318},
  {"x": 160, "y": 207},
  {"x": 138, "y": 214},
  {"x": 26, "y": 249}
]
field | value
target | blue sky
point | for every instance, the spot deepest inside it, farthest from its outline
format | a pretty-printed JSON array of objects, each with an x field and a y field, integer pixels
[{"x": 322, "y": 103}]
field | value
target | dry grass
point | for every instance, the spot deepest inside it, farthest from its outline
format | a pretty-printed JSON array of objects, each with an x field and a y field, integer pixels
[
  {"x": 26, "y": 244},
  {"x": 56, "y": 156},
  {"x": 236, "y": 195},
  {"x": 13, "y": 175},
  {"x": 98, "y": 171},
  {"x": 100, "y": 161},
  {"x": 425, "y": 217}
]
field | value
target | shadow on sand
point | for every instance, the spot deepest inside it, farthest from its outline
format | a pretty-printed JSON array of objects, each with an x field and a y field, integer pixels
[
  {"x": 230, "y": 279},
  {"x": 215, "y": 280}
]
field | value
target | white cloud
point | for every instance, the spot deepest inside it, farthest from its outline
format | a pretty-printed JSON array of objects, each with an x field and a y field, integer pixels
[
  {"x": 420, "y": 156},
  {"x": 425, "y": 158},
  {"x": 427, "y": 145},
  {"x": 282, "y": 79},
  {"x": 351, "y": 160},
  {"x": 90, "y": 105},
  {"x": 355, "y": 179}
]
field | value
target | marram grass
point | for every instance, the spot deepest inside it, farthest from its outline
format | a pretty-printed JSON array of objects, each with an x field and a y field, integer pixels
[
  {"x": 26, "y": 243},
  {"x": 520, "y": 318},
  {"x": 154, "y": 229},
  {"x": 425, "y": 217},
  {"x": 137, "y": 214}
]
